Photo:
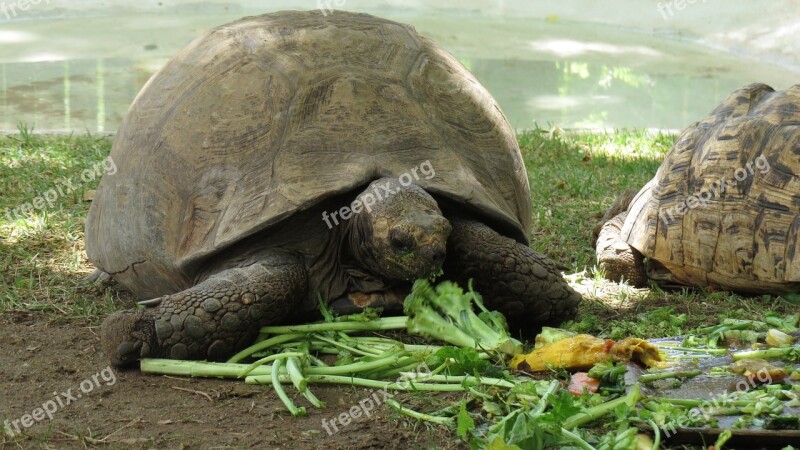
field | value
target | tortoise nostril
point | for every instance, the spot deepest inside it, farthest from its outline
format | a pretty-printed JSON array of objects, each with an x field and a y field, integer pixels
[{"x": 438, "y": 256}]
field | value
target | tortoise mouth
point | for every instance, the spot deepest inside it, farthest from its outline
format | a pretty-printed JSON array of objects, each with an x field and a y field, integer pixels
[
  {"x": 421, "y": 262},
  {"x": 435, "y": 254}
]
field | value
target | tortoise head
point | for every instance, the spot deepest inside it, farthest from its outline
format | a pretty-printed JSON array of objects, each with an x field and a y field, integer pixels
[{"x": 398, "y": 231}]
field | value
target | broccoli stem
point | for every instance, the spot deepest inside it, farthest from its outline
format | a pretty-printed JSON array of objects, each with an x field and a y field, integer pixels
[
  {"x": 316, "y": 361},
  {"x": 395, "y": 371},
  {"x": 236, "y": 370},
  {"x": 384, "y": 323},
  {"x": 418, "y": 415},
  {"x": 267, "y": 359},
  {"x": 198, "y": 368},
  {"x": 263, "y": 345},
  {"x": 771, "y": 353},
  {"x": 459, "y": 379},
  {"x": 459, "y": 308},
  {"x": 428, "y": 322},
  {"x": 551, "y": 389},
  {"x": 602, "y": 409},
  {"x": 710, "y": 351},
  {"x": 446, "y": 313},
  {"x": 361, "y": 346},
  {"x": 388, "y": 360},
  {"x": 293, "y": 369},
  {"x": 313, "y": 398},
  {"x": 354, "y": 381},
  {"x": 344, "y": 346},
  {"x": 697, "y": 403},
  {"x": 266, "y": 374},
  {"x": 385, "y": 344},
  {"x": 301, "y": 382},
  {"x": 650, "y": 377},
  {"x": 576, "y": 440},
  {"x": 276, "y": 384}
]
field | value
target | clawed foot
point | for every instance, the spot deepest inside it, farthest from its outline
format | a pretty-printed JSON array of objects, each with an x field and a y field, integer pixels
[{"x": 128, "y": 336}]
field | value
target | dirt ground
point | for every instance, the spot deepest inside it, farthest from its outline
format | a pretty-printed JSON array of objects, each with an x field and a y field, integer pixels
[{"x": 58, "y": 366}]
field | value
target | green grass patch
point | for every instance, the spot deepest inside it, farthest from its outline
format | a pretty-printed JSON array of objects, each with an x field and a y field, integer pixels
[
  {"x": 42, "y": 212},
  {"x": 575, "y": 177}
]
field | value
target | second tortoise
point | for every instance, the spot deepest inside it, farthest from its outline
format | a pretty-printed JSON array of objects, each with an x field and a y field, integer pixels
[{"x": 723, "y": 210}]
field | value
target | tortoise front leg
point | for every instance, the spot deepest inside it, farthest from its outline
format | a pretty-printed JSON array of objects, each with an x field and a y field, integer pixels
[
  {"x": 615, "y": 257},
  {"x": 524, "y": 285},
  {"x": 210, "y": 320}
]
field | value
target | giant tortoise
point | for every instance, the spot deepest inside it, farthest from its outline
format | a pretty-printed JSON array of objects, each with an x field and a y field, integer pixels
[
  {"x": 723, "y": 210},
  {"x": 294, "y": 156}
]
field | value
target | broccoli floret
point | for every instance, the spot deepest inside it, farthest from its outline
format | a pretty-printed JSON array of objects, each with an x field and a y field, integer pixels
[{"x": 446, "y": 313}]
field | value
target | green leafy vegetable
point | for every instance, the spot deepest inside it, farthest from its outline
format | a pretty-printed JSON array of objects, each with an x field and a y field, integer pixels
[
  {"x": 459, "y": 361},
  {"x": 609, "y": 373},
  {"x": 446, "y": 313},
  {"x": 787, "y": 324},
  {"x": 465, "y": 424}
]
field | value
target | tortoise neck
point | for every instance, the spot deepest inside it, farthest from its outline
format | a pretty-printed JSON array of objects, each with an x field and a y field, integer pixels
[
  {"x": 357, "y": 260},
  {"x": 355, "y": 244}
]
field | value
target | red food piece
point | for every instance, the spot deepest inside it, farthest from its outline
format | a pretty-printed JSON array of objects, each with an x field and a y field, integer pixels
[{"x": 581, "y": 383}]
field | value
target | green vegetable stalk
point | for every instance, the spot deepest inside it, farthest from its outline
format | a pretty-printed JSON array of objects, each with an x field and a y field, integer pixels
[
  {"x": 650, "y": 377},
  {"x": 276, "y": 384},
  {"x": 784, "y": 353},
  {"x": 448, "y": 421},
  {"x": 446, "y": 313},
  {"x": 600, "y": 410}
]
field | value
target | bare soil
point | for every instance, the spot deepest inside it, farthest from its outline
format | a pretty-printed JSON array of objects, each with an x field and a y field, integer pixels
[{"x": 129, "y": 410}]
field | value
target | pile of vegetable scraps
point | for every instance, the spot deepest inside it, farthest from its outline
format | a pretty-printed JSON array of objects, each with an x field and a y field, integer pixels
[{"x": 570, "y": 391}]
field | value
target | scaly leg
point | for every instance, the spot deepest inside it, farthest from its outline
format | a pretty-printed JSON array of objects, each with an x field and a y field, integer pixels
[
  {"x": 524, "y": 285},
  {"x": 212, "y": 319}
]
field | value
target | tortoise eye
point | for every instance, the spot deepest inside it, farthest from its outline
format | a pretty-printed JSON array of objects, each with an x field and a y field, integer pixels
[{"x": 401, "y": 241}]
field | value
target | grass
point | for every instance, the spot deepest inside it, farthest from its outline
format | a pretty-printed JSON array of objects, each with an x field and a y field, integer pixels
[
  {"x": 573, "y": 178},
  {"x": 42, "y": 260}
]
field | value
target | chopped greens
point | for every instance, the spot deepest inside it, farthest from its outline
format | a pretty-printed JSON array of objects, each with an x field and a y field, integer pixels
[{"x": 499, "y": 408}]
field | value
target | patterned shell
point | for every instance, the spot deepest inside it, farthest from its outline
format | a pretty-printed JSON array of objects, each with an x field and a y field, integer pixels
[
  {"x": 723, "y": 208},
  {"x": 267, "y": 116}
]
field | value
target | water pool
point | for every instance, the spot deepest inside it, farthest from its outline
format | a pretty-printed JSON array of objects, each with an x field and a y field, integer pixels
[{"x": 79, "y": 73}]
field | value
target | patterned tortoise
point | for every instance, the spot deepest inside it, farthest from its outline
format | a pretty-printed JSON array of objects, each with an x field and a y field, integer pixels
[
  {"x": 723, "y": 210},
  {"x": 271, "y": 162}
]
